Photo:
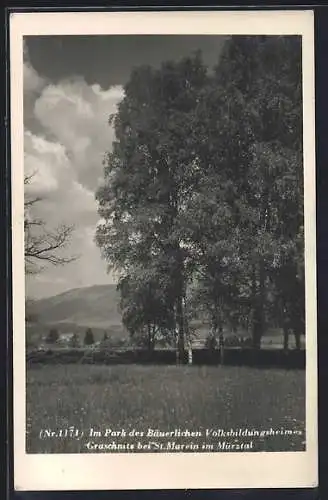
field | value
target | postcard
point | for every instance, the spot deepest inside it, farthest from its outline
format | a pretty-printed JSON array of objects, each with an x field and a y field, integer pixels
[{"x": 163, "y": 250}]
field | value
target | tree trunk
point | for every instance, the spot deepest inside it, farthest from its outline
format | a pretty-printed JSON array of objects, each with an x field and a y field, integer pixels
[
  {"x": 221, "y": 344},
  {"x": 261, "y": 302},
  {"x": 153, "y": 333},
  {"x": 181, "y": 335},
  {"x": 286, "y": 336},
  {"x": 149, "y": 337},
  {"x": 297, "y": 326},
  {"x": 258, "y": 310},
  {"x": 180, "y": 293},
  {"x": 297, "y": 336}
]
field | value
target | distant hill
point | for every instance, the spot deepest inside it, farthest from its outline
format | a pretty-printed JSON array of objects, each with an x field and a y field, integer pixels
[{"x": 95, "y": 306}]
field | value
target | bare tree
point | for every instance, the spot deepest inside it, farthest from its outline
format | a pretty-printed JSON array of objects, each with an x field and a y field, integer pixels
[{"x": 43, "y": 245}]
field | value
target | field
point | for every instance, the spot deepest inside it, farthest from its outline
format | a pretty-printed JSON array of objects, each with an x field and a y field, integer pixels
[{"x": 165, "y": 398}]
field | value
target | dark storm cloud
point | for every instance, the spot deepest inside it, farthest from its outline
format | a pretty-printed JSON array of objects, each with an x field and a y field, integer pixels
[{"x": 108, "y": 60}]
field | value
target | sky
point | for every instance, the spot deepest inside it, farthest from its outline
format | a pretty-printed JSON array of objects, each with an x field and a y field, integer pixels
[{"x": 72, "y": 84}]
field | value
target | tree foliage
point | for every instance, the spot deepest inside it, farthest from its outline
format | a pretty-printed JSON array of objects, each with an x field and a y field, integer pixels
[
  {"x": 53, "y": 336},
  {"x": 204, "y": 185},
  {"x": 150, "y": 175},
  {"x": 74, "y": 341},
  {"x": 88, "y": 337},
  {"x": 147, "y": 305}
]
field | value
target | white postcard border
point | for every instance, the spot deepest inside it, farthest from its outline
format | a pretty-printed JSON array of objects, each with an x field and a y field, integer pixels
[{"x": 161, "y": 471}]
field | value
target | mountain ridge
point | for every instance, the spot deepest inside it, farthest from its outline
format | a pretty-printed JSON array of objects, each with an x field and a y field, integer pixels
[{"x": 93, "y": 306}]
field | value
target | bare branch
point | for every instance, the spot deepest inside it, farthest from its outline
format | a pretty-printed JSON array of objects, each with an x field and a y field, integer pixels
[
  {"x": 42, "y": 244},
  {"x": 29, "y": 203},
  {"x": 28, "y": 178}
]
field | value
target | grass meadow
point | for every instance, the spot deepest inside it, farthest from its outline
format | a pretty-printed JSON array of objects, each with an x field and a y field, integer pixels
[{"x": 165, "y": 398}]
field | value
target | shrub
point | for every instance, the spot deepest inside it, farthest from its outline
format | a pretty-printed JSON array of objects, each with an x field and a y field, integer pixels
[
  {"x": 74, "y": 341},
  {"x": 235, "y": 341},
  {"x": 89, "y": 338},
  {"x": 211, "y": 342},
  {"x": 53, "y": 336}
]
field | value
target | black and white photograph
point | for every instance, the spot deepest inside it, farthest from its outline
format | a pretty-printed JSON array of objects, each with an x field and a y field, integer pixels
[{"x": 167, "y": 245}]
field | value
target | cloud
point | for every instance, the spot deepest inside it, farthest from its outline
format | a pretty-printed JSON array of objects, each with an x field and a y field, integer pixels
[
  {"x": 46, "y": 162},
  {"x": 66, "y": 155},
  {"x": 32, "y": 81},
  {"x": 76, "y": 114}
]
